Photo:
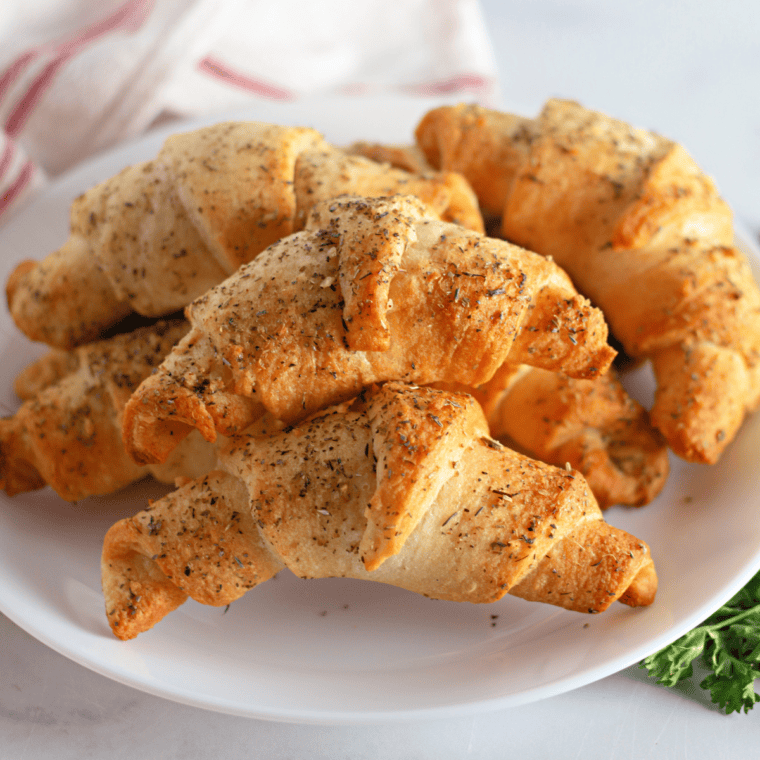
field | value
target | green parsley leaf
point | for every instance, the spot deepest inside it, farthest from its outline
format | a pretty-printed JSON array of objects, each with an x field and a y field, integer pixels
[
  {"x": 727, "y": 643},
  {"x": 674, "y": 663}
]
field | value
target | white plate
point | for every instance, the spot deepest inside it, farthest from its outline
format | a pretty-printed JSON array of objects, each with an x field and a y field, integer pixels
[{"x": 339, "y": 650}]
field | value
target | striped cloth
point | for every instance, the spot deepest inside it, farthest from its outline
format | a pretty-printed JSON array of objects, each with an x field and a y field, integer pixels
[{"x": 79, "y": 76}]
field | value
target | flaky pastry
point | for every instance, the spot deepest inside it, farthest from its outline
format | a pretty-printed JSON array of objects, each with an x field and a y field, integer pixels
[
  {"x": 592, "y": 425},
  {"x": 403, "y": 487},
  {"x": 67, "y": 433},
  {"x": 372, "y": 290},
  {"x": 162, "y": 232},
  {"x": 643, "y": 233}
]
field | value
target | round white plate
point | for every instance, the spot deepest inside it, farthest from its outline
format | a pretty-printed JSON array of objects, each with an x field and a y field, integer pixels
[{"x": 339, "y": 650}]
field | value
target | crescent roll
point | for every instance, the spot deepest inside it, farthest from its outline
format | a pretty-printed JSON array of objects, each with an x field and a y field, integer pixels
[
  {"x": 372, "y": 290},
  {"x": 592, "y": 425},
  {"x": 162, "y": 232},
  {"x": 404, "y": 487},
  {"x": 67, "y": 433},
  {"x": 643, "y": 233}
]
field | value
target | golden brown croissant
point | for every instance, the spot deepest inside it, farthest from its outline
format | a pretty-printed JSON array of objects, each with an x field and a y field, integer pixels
[
  {"x": 373, "y": 290},
  {"x": 162, "y": 232},
  {"x": 643, "y": 233},
  {"x": 404, "y": 488},
  {"x": 68, "y": 434},
  {"x": 488, "y": 146},
  {"x": 593, "y": 425}
]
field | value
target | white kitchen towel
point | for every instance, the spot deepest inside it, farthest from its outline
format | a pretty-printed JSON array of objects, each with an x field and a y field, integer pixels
[{"x": 79, "y": 76}]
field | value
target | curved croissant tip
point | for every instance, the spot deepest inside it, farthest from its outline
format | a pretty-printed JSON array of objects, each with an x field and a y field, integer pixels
[
  {"x": 150, "y": 433},
  {"x": 151, "y": 441},
  {"x": 15, "y": 280},
  {"x": 643, "y": 588},
  {"x": 136, "y": 591},
  {"x": 18, "y": 473}
]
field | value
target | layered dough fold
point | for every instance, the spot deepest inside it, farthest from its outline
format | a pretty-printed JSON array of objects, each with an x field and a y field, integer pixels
[
  {"x": 643, "y": 233},
  {"x": 162, "y": 232},
  {"x": 372, "y": 290},
  {"x": 592, "y": 425},
  {"x": 402, "y": 486},
  {"x": 68, "y": 432}
]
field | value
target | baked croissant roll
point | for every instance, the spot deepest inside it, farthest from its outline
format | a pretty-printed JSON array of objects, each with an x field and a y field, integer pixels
[
  {"x": 68, "y": 435},
  {"x": 404, "y": 487},
  {"x": 372, "y": 290},
  {"x": 593, "y": 425},
  {"x": 162, "y": 232},
  {"x": 642, "y": 232}
]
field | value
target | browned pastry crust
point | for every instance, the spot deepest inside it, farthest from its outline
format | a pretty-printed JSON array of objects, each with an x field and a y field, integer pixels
[
  {"x": 486, "y": 146},
  {"x": 592, "y": 425},
  {"x": 373, "y": 290},
  {"x": 162, "y": 232},
  {"x": 644, "y": 234},
  {"x": 328, "y": 172},
  {"x": 68, "y": 434},
  {"x": 404, "y": 487},
  {"x": 409, "y": 157}
]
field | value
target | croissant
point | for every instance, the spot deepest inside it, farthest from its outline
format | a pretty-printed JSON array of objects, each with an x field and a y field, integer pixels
[
  {"x": 372, "y": 290},
  {"x": 593, "y": 425},
  {"x": 404, "y": 487},
  {"x": 163, "y": 232},
  {"x": 643, "y": 233},
  {"x": 67, "y": 434}
]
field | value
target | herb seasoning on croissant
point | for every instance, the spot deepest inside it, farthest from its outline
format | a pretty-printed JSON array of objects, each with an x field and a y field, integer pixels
[
  {"x": 372, "y": 290},
  {"x": 67, "y": 433},
  {"x": 643, "y": 233},
  {"x": 403, "y": 487},
  {"x": 593, "y": 425},
  {"x": 162, "y": 232}
]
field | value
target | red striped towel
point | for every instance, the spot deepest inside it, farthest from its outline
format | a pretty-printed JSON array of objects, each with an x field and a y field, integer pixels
[{"x": 88, "y": 75}]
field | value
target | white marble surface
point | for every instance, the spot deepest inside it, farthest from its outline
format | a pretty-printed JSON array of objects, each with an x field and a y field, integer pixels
[
  {"x": 691, "y": 70},
  {"x": 51, "y": 707}
]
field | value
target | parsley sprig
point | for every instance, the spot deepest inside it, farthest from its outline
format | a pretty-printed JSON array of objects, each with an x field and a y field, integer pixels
[{"x": 728, "y": 643}]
